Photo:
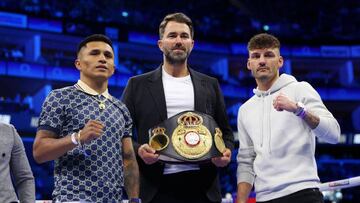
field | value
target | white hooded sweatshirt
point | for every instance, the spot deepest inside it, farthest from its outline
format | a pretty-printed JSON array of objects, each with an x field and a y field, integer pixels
[{"x": 276, "y": 151}]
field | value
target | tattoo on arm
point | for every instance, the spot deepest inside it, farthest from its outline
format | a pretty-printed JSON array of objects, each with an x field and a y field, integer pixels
[
  {"x": 131, "y": 172},
  {"x": 311, "y": 119}
]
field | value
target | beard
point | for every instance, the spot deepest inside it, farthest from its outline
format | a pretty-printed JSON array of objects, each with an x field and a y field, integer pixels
[
  {"x": 270, "y": 74},
  {"x": 176, "y": 58}
]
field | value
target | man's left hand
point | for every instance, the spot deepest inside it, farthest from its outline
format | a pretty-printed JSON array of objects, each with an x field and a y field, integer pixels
[{"x": 223, "y": 160}]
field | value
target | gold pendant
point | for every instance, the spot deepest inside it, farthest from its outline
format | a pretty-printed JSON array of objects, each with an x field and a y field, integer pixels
[{"x": 102, "y": 106}]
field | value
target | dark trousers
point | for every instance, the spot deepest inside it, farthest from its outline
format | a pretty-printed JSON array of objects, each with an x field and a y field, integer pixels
[
  {"x": 183, "y": 187},
  {"x": 311, "y": 195}
]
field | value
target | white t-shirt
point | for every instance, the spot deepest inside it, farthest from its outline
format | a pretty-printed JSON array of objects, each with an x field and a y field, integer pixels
[{"x": 179, "y": 96}]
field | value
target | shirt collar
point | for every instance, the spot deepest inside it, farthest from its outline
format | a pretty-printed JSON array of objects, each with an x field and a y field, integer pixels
[{"x": 85, "y": 88}]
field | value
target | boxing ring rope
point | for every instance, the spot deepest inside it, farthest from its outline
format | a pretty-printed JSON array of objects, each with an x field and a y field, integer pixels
[
  {"x": 330, "y": 190},
  {"x": 339, "y": 184},
  {"x": 328, "y": 186}
]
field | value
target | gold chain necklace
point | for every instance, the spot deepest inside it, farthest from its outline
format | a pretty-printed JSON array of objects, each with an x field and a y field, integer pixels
[{"x": 102, "y": 105}]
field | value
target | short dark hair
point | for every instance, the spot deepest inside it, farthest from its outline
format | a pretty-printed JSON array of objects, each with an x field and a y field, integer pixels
[
  {"x": 179, "y": 18},
  {"x": 263, "y": 41},
  {"x": 94, "y": 38}
]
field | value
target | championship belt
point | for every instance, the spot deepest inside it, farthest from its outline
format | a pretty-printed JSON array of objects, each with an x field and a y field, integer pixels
[{"x": 188, "y": 137}]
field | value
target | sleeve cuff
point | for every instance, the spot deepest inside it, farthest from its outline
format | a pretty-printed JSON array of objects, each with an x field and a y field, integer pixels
[
  {"x": 325, "y": 132},
  {"x": 245, "y": 177},
  {"x": 49, "y": 128}
]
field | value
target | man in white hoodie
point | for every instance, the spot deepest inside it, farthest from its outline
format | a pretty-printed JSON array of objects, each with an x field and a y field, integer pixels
[{"x": 277, "y": 129}]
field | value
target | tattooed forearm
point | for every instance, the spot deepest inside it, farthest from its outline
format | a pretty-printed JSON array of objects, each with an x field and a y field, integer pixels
[
  {"x": 311, "y": 119},
  {"x": 131, "y": 173}
]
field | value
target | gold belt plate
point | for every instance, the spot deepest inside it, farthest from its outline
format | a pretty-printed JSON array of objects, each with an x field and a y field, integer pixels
[{"x": 190, "y": 138}]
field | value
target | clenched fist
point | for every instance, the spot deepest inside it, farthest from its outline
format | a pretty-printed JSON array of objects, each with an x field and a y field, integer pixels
[
  {"x": 92, "y": 130},
  {"x": 282, "y": 102}
]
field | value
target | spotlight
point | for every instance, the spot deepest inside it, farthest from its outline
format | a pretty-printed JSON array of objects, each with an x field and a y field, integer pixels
[
  {"x": 125, "y": 14},
  {"x": 266, "y": 27}
]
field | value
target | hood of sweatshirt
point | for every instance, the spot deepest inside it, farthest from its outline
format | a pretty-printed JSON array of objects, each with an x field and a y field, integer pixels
[{"x": 281, "y": 82}]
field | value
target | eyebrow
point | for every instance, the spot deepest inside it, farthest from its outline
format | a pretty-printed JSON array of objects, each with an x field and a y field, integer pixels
[
  {"x": 99, "y": 51},
  {"x": 254, "y": 53},
  {"x": 266, "y": 52},
  {"x": 181, "y": 33},
  {"x": 270, "y": 52}
]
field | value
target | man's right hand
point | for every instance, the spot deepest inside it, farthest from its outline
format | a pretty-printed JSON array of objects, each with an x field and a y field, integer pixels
[
  {"x": 92, "y": 130},
  {"x": 148, "y": 154}
]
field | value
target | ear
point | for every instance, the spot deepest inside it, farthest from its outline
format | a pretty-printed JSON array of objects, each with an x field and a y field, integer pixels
[
  {"x": 159, "y": 42},
  {"x": 77, "y": 64},
  {"x": 192, "y": 45},
  {"x": 281, "y": 62},
  {"x": 248, "y": 65}
]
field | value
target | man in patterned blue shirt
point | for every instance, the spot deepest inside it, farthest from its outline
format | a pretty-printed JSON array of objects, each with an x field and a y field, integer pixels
[{"x": 88, "y": 133}]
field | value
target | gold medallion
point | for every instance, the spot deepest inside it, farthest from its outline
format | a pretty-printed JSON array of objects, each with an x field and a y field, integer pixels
[
  {"x": 219, "y": 142},
  {"x": 190, "y": 138},
  {"x": 102, "y": 105}
]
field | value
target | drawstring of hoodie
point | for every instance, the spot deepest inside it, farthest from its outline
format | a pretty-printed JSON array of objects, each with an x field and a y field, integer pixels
[
  {"x": 269, "y": 119},
  {"x": 282, "y": 81},
  {"x": 262, "y": 120},
  {"x": 265, "y": 118}
]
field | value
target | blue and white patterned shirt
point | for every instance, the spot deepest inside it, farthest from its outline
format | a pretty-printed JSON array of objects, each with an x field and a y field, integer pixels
[{"x": 98, "y": 176}]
